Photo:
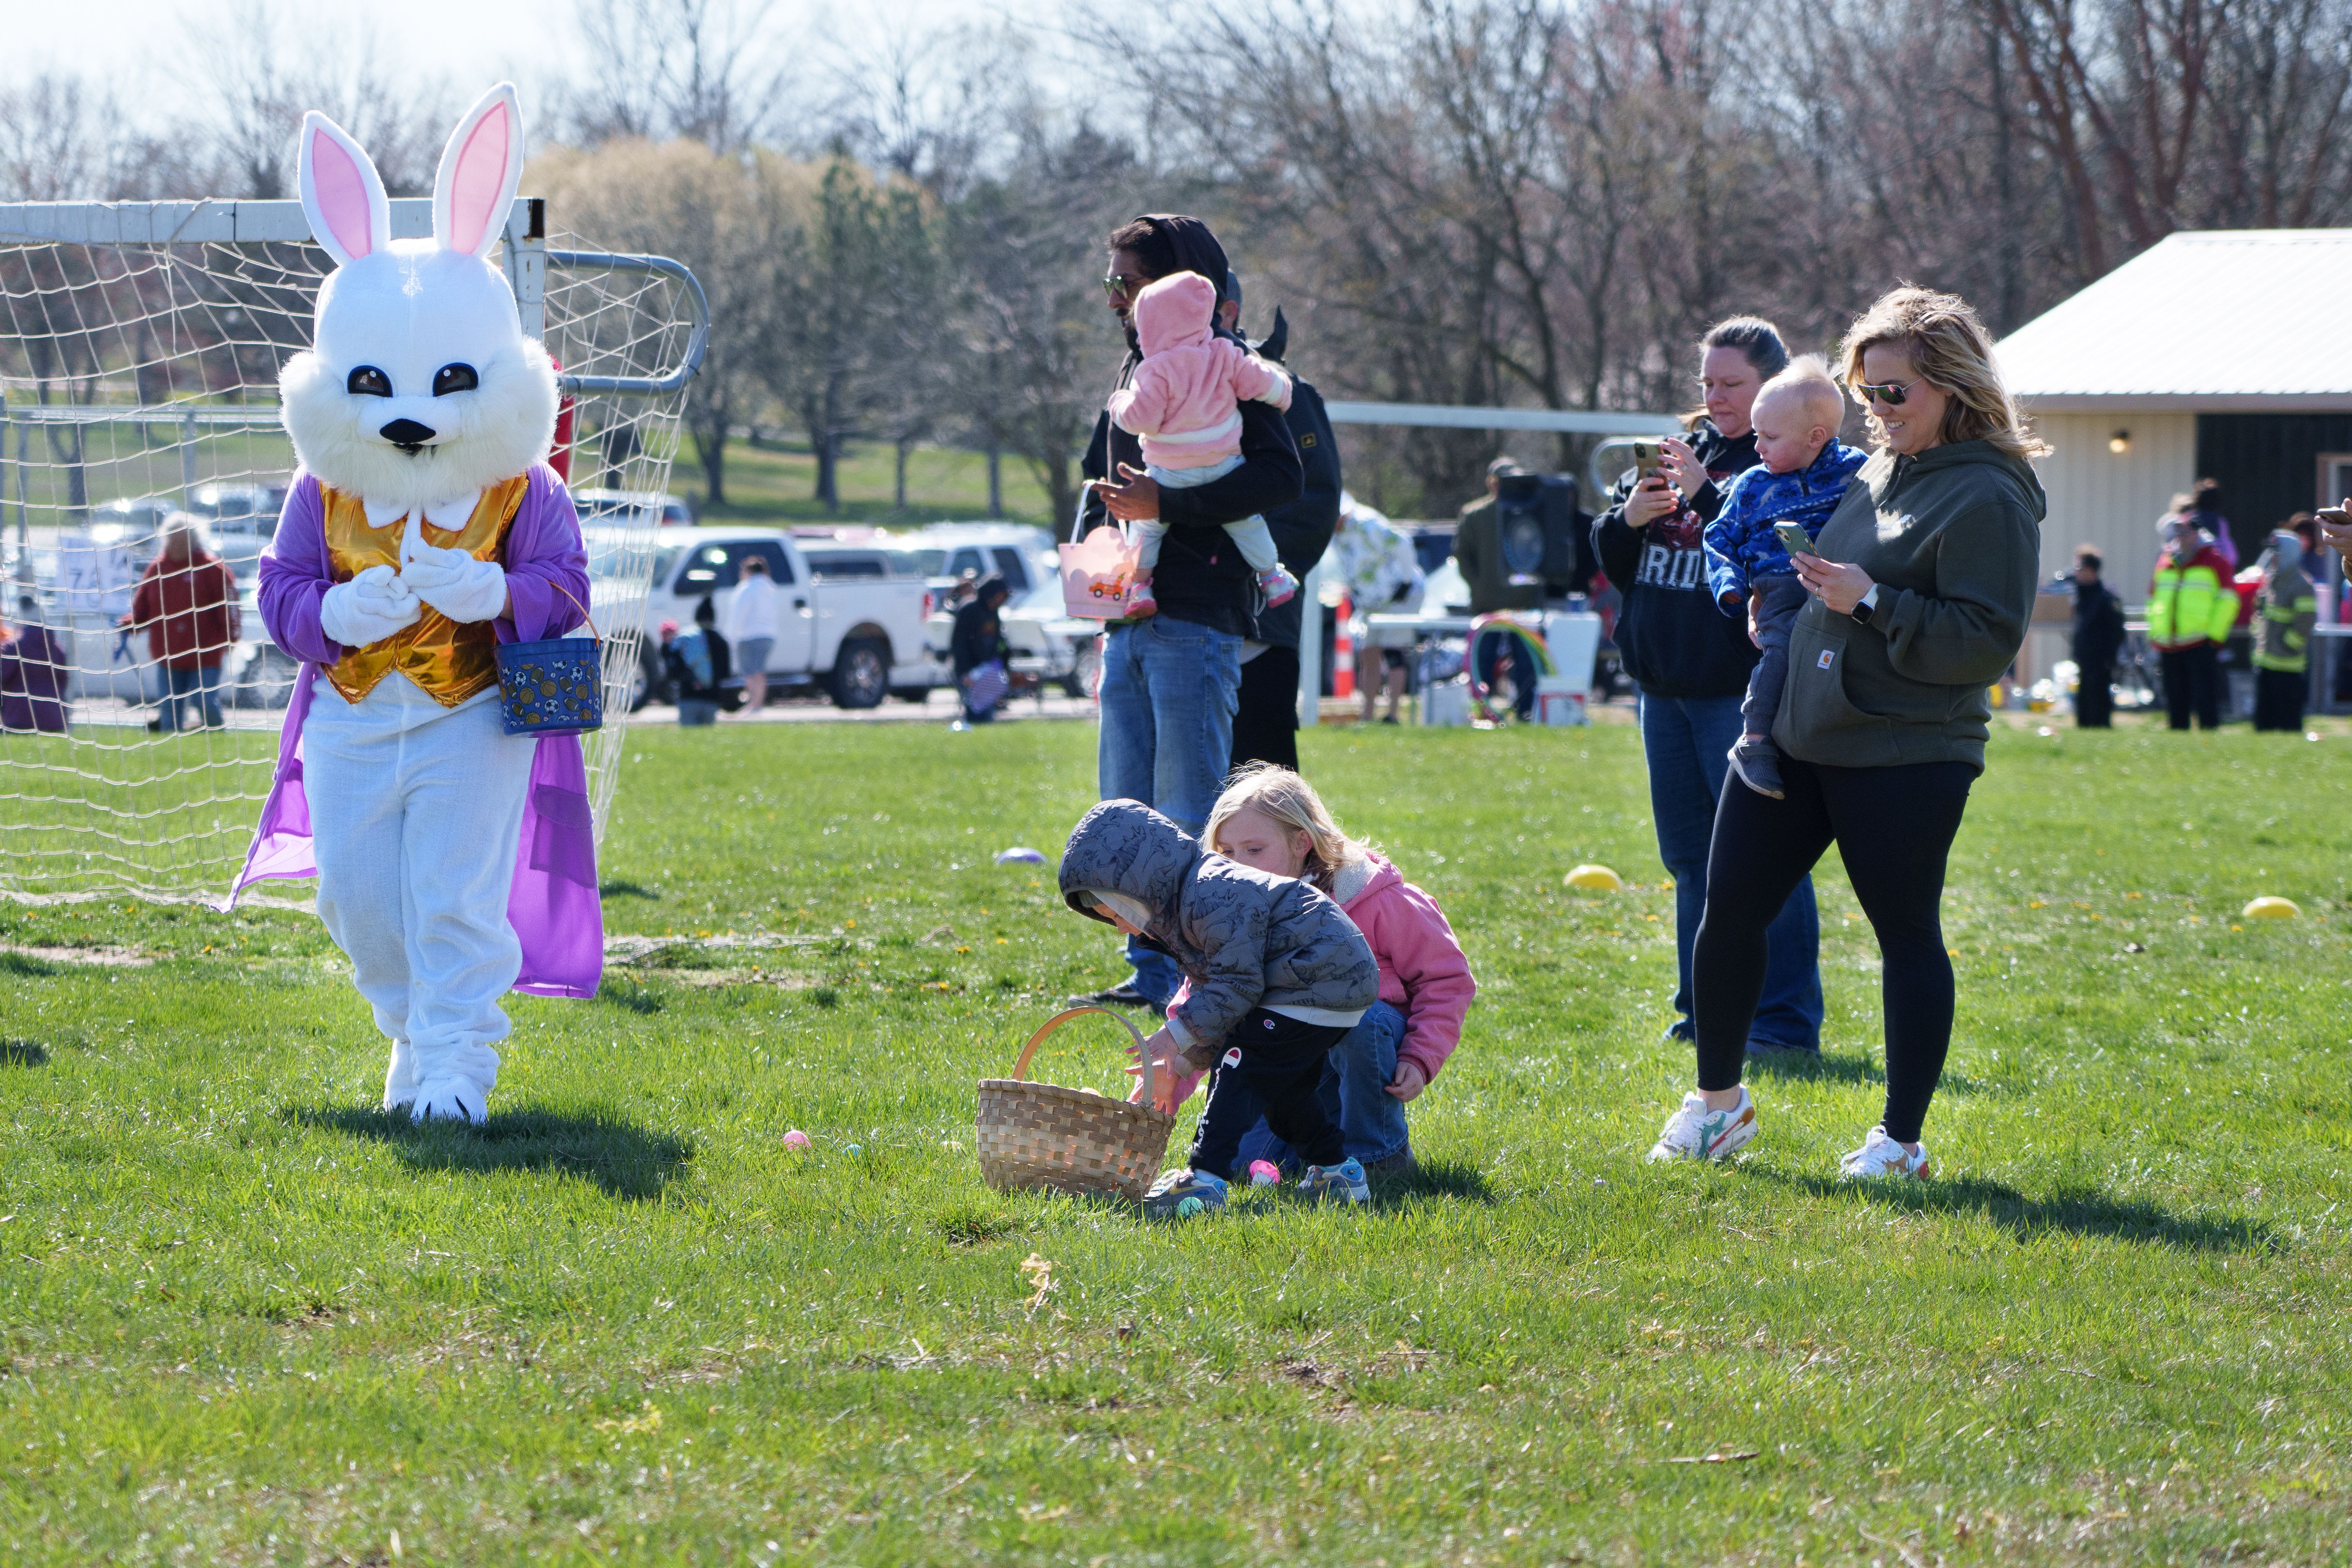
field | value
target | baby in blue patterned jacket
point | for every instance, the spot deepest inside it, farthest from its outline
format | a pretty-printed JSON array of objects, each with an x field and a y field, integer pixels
[{"x": 1801, "y": 474}]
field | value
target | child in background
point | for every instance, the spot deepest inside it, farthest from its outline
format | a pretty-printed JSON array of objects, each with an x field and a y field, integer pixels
[
  {"x": 1276, "y": 977},
  {"x": 1800, "y": 475},
  {"x": 1184, "y": 402},
  {"x": 1271, "y": 819}
]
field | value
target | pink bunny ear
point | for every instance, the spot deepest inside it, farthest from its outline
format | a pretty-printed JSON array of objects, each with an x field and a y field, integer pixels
[
  {"x": 342, "y": 195},
  {"x": 479, "y": 170}
]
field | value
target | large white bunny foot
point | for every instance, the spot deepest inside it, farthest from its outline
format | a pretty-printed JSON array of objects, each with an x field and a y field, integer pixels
[
  {"x": 400, "y": 1078},
  {"x": 453, "y": 1083},
  {"x": 452, "y": 1100}
]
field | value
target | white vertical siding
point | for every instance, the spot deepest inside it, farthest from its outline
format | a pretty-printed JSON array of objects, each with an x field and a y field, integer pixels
[{"x": 2108, "y": 500}]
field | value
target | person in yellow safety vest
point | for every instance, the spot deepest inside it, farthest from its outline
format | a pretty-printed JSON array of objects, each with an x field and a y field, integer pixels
[
  {"x": 2287, "y": 607},
  {"x": 2191, "y": 606}
]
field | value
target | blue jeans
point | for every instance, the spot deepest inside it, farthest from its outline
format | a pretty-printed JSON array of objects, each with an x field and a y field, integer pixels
[
  {"x": 1687, "y": 742},
  {"x": 1354, "y": 1093},
  {"x": 1494, "y": 648},
  {"x": 201, "y": 687},
  {"x": 1169, "y": 691}
]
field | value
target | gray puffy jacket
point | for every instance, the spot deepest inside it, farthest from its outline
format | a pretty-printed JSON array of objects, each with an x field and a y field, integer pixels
[{"x": 1243, "y": 939}]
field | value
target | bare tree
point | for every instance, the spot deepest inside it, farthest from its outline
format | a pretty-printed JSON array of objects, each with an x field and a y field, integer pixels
[{"x": 662, "y": 68}]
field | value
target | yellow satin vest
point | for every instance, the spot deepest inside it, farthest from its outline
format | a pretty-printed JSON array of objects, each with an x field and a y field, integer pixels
[{"x": 449, "y": 661}]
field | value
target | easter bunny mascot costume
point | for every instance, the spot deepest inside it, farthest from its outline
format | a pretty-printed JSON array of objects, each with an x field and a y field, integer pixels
[{"x": 423, "y": 528}]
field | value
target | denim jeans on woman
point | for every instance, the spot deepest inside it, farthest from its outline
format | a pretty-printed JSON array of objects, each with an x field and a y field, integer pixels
[
  {"x": 1688, "y": 742},
  {"x": 199, "y": 688},
  {"x": 1169, "y": 691},
  {"x": 1355, "y": 1094}
]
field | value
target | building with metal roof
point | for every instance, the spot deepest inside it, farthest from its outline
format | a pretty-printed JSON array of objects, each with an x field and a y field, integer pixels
[{"x": 2223, "y": 355}]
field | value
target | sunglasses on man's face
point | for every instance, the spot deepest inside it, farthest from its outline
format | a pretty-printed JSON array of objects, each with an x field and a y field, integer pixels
[
  {"x": 1119, "y": 286},
  {"x": 1891, "y": 394}
]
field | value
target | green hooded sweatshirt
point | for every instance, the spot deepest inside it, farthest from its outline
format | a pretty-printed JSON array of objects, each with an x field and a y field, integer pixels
[{"x": 1953, "y": 538}]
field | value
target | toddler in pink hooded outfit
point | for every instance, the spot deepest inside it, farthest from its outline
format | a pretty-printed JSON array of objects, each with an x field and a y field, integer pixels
[{"x": 1184, "y": 403}]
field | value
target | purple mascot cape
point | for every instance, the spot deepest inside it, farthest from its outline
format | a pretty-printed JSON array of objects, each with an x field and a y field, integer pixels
[{"x": 552, "y": 905}]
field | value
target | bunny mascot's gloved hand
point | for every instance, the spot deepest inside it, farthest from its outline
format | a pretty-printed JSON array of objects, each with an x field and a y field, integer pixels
[
  {"x": 451, "y": 581},
  {"x": 372, "y": 607}
]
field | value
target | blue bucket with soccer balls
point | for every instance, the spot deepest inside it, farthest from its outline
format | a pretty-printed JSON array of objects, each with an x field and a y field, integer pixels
[{"x": 554, "y": 686}]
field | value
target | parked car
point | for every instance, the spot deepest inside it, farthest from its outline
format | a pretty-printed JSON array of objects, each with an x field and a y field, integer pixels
[
  {"x": 951, "y": 552},
  {"x": 241, "y": 519},
  {"x": 620, "y": 506},
  {"x": 859, "y": 637}
]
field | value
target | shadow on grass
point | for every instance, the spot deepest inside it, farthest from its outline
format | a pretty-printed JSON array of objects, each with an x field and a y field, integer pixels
[
  {"x": 1453, "y": 1179},
  {"x": 1843, "y": 1066},
  {"x": 626, "y": 890},
  {"x": 23, "y": 1054},
  {"x": 26, "y": 964},
  {"x": 624, "y": 992},
  {"x": 626, "y": 1162},
  {"x": 2075, "y": 1211}
]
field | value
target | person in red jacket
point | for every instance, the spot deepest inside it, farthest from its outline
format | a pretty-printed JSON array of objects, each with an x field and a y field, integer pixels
[
  {"x": 1271, "y": 819},
  {"x": 187, "y": 602}
]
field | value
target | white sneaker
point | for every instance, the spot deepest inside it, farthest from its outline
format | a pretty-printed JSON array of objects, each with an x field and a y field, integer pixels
[
  {"x": 1695, "y": 1133},
  {"x": 1882, "y": 1156}
]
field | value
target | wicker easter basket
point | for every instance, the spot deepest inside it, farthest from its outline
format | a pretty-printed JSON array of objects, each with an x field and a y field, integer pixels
[{"x": 1034, "y": 1134}]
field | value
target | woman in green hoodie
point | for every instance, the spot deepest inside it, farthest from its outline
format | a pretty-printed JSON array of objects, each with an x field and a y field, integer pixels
[{"x": 1921, "y": 591}]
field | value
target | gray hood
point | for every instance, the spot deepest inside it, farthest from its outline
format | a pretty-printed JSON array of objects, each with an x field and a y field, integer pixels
[{"x": 1125, "y": 846}]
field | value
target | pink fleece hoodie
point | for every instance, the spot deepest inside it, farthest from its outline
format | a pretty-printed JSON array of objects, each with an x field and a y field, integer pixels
[
  {"x": 1185, "y": 399},
  {"x": 1424, "y": 974}
]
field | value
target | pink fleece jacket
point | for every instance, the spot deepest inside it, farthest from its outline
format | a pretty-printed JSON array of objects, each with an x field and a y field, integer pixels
[
  {"x": 1423, "y": 973},
  {"x": 1184, "y": 398}
]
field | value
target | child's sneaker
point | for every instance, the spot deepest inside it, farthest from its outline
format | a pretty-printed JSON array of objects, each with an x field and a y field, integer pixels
[
  {"x": 1343, "y": 1182},
  {"x": 1277, "y": 584},
  {"x": 1695, "y": 1133},
  {"x": 1757, "y": 763},
  {"x": 1882, "y": 1156},
  {"x": 1139, "y": 602},
  {"x": 1168, "y": 1193}
]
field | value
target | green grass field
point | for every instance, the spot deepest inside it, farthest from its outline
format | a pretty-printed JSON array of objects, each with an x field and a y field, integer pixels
[{"x": 249, "y": 1320}]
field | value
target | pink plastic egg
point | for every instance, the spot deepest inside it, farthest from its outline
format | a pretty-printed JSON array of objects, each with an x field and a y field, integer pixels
[
  {"x": 1264, "y": 1173},
  {"x": 796, "y": 1139}
]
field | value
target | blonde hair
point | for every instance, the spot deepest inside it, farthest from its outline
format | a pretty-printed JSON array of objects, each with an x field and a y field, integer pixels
[
  {"x": 1808, "y": 383},
  {"x": 1284, "y": 797},
  {"x": 1946, "y": 345}
]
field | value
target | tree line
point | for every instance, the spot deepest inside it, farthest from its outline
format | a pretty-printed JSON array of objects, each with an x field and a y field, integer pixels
[{"x": 1521, "y": 202}]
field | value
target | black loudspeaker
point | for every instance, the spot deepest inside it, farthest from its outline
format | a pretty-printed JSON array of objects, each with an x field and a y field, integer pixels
[{"x": 1544, "y": 536}]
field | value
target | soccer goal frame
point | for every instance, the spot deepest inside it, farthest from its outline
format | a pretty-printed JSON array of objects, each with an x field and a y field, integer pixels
[{"x": 106, "y": 807}]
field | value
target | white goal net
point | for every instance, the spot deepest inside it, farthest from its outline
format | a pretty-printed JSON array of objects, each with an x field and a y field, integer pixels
[{"x": 143, "y": 469}]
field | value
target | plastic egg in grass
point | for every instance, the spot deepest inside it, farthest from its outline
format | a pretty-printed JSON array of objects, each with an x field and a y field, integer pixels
[
  {"x": 796, "y": 1139},
  {"x": 1190, "y": 1207},
  {"x": 1596, "y": 879},
  {"x": 2270, "y": 907},
  {"x": 1264, "y": 1173}
]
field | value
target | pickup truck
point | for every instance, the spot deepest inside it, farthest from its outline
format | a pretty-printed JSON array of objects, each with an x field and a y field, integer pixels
[{"x": 859, "y": 639}]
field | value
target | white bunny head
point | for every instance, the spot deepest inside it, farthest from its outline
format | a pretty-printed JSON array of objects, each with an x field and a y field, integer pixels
[{"x": 420, "y": 386}]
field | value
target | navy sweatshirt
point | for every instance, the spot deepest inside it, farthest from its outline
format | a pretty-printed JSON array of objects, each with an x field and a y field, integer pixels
[{"x": 1673, "y": 639}]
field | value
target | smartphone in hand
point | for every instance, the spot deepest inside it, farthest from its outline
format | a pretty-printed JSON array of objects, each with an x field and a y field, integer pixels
[{"x": 1793, "y": 539}]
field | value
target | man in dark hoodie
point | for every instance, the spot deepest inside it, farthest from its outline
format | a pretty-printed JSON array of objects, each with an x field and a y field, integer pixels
[
  {"x": 1171, "y": 682},
  {"x": 1690, "y": 662}
]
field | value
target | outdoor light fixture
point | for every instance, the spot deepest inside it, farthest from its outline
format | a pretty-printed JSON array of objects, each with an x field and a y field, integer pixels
[{"x": 2119, "y": 443}]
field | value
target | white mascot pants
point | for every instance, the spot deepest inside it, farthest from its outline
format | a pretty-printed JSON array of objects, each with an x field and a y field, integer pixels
[{"x": 415, "y": 811}]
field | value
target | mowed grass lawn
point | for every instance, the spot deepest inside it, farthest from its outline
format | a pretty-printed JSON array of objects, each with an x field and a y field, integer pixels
[{"x": 249, "y": 1320}]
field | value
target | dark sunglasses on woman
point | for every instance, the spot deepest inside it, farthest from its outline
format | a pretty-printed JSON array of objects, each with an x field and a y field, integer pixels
[{"x": 1891, "y": 394}]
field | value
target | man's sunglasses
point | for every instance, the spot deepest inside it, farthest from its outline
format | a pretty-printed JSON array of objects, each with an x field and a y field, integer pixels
[
  {"x": 1119, "y": 286},
  {"x": 1891, "y": 394}
]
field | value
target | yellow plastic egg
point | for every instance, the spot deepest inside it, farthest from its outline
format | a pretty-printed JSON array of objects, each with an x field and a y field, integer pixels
[
  {"x": 1596, "y": 878},
  {"x": 2270, "y": 907}
]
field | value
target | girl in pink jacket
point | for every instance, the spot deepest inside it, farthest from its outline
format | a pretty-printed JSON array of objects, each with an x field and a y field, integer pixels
[
  {"x": 1184, "y": 403},
  {"x": 1272, "y": 819}
]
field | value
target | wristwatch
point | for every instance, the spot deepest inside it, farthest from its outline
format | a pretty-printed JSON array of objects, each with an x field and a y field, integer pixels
[{"x": 1867, "y": 604}]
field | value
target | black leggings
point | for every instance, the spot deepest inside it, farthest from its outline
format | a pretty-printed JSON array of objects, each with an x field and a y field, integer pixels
[
  {"x": 1893, "y": 829},
  {"x": 1270, "y": 1066}
]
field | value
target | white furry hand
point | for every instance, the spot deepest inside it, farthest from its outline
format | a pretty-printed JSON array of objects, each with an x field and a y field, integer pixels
[
  {"x": 372, "y": 607},
  {"x": 454, "y": 584}
]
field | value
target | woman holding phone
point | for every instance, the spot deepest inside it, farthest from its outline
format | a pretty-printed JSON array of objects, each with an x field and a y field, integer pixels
[
  {"x": 1922, "y": 587},
  {"x": 1689, "y": 663}
]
